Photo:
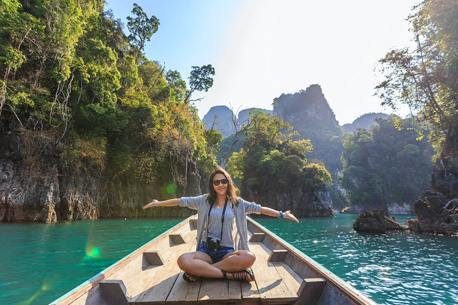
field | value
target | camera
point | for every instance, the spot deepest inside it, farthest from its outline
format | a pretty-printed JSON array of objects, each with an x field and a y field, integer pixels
[{"x": 213, "y": 243}]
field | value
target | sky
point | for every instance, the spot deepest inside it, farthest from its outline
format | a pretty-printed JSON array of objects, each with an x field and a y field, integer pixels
[{"x": 263, "y": 48}]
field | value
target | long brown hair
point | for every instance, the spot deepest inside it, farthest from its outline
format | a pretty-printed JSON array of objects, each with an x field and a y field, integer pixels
[{"x": 232, "y": 190}]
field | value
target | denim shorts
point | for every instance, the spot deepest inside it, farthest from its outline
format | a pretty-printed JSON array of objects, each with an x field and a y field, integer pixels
[{"x": 216, "y": 256}]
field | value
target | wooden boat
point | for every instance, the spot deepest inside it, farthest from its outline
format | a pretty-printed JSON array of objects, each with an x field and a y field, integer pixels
[{"x": 150, "y": 275}]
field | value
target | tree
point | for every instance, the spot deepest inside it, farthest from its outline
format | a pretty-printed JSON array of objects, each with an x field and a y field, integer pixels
[
  {"x": 68, "y": 75},
  {"x": 385, "y": 164},
  {"x": 37, "y": 55},
  {"x": 240, "y": 129},
  {"x": 425, "y": 79},
  {"x": 272, "y": 161},
  {"x": 15, "y": 30},
  {"x": 200, "y": 80},
  {"x": 141, "y": 27},
  {"x": 175, "y": 82}
]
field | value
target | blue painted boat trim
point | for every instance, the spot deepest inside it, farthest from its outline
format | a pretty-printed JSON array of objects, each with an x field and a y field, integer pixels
[{"x": 98, "y": 275}]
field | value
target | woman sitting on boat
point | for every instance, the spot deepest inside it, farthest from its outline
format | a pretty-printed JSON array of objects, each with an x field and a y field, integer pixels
[{"x": 216, "y": 211}]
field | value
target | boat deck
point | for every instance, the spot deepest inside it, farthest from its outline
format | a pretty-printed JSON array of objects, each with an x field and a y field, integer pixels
[
  {"x": 152, "y": 276},
  {"x": 274, "y": 283}
]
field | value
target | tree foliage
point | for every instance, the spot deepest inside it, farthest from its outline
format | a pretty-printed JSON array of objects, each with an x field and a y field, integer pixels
[
  {"x": 309, "y": 113},
  {"x": 425, "y": 78},
  {"x": 69, "y": 70},
  {"x": 200, "y": 79},
  {"x": 271, "y": 160},
  {"x": 385, "y": 161},
  {"x": 141, "y": 27}
]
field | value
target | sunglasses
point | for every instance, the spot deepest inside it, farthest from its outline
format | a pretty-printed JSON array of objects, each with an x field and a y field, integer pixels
[{"x": 217, "y": 182}]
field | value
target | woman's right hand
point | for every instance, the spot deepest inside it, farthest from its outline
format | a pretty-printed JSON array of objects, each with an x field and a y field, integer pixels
[{"x": 151, "y": 204}]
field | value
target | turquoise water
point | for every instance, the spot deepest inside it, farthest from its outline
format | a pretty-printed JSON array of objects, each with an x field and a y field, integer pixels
[
  {"x": 41, "y": 262},
  {"x": 392, "y": 268}
]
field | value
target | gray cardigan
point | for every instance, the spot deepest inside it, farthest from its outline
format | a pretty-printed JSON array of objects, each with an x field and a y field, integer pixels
[{"x": 243, "y": 207}]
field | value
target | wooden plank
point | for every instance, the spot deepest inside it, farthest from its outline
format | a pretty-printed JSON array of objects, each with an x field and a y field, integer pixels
[
  {"x": 140, "y": 281},
  {"x": 114, "y": 291},
  {"x": 278, "y": 255},
  {"x": 234, "y": 291},
  {"x": 250, "y": 291},
  {"x": 160, "y": 285},
  {"x": 138, "y": 271},
  {"x": 271, "y": 285},
  {"x": 292, "y": 279},
  {"x": 310, "y": 291},
  {"x": 214, "y": 290},
  {"x": 183, "y": 291}
]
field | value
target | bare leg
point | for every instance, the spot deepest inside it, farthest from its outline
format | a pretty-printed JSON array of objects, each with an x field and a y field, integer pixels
[
  {"x": 198, "y": 264},
  {"x": 236, "y": 261}
]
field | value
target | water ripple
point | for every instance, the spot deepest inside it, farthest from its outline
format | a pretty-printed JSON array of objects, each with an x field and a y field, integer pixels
[{"x": 392, "y": 268}]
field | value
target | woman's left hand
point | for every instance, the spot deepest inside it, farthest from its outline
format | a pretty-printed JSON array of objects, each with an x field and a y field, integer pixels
[{"x": 290, "y": 215}]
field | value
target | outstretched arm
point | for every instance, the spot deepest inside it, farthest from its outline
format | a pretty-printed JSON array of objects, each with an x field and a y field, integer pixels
[
  {"x": 165, "y": 203},
  {"x": 275, "y": 213}
]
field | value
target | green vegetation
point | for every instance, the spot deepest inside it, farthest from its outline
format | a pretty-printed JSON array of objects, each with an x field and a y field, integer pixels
[
  {"x": 311, "y": 116},
  {"x": 385, "y": 161},
  {"x": 72, "y": 79},
  {"x": 425, "y": 79},
  {"x": 68, "y": 70},
  {"x": 271, "y": 160}
]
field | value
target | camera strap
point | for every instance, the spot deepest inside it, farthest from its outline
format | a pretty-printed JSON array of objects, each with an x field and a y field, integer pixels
[{"x": 222, "y": 218}]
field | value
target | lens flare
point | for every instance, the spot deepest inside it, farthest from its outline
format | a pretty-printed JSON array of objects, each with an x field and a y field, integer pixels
[
  {"x": 30, "y": 300},
  {"x": 45, "y": 287},
  {"x": 171, "y": 188},
  {"x": 92, "y": 252}
]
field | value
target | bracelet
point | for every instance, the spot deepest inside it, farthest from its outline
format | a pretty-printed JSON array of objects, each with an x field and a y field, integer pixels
[{"x": 281, "y": 215}]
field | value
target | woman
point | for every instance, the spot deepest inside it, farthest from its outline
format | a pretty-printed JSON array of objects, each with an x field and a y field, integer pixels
[{"x": 215, "y": 256}]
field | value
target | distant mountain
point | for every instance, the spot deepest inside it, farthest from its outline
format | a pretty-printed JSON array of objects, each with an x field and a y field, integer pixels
[
  {"x": 220, "y": 118},
  {"x": 307, "y": 109},
  {"x": 365, "y": 121},
  {"x": 309, "y": 113}
]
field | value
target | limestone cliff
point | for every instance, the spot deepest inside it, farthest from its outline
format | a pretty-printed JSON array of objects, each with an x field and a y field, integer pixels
[
  {"x": 365, "y": 121},
  {"x": 303, "y": 201},
  {"x": 36, "y": 185},
  {"x": 307, "y": 110},
  {"x": 435, "y": 214},
  {"x": 437, "y": 210},
  {"x": 376, "y": 222},
  {"x": 220, "y": 118}
]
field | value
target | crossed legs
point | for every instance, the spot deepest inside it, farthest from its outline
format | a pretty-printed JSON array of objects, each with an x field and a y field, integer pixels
[{"x": 199, "y": 264}]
